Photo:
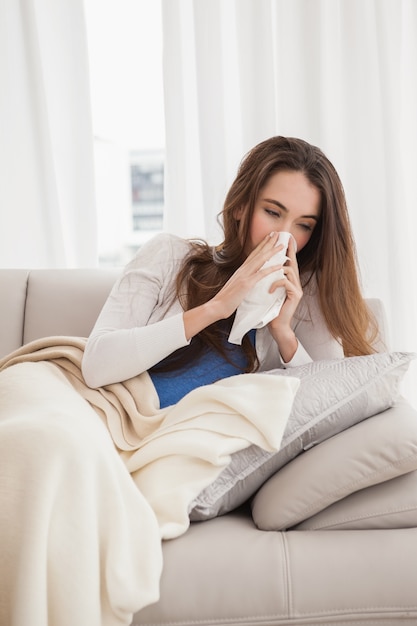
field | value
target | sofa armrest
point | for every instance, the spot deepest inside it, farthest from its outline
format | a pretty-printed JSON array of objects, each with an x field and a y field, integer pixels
[{"x": 13, "y": 285}]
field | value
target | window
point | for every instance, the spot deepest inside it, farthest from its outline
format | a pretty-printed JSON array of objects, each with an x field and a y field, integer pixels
[{"x": 125, "y": 55}]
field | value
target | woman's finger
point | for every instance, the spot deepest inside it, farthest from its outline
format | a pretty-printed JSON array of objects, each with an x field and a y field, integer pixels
[{"x": 263, "y": 252}]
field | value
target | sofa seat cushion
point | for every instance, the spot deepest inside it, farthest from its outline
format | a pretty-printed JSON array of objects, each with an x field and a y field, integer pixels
[
  {"x": 372, "y": 452},
  {"x": 225, "y": 571}
]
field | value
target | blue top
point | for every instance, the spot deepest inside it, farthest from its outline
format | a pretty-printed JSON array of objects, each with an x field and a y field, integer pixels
[{"x": 207, "y": 369}]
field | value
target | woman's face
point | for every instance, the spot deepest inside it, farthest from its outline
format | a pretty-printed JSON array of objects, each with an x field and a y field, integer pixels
[{"x": 288, "y": 202}]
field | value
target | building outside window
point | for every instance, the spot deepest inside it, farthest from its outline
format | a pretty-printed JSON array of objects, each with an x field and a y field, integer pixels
[{"x": 147, "y": 184}]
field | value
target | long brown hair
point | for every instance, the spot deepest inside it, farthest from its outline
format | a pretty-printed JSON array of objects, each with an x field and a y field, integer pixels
[{"x": 329, "y": 256}]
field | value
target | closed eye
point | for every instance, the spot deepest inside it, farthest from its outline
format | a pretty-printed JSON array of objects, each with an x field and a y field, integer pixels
[{"x": 273, "y": 213}]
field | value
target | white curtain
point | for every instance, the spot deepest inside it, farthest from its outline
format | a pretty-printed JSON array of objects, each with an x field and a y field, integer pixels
[
  {"x": 339, "y": 73},
  {"x": 47, "y": 212}
]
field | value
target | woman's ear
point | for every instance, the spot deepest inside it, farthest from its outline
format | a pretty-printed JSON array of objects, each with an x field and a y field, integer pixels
[{"x": 237, "y": 213}]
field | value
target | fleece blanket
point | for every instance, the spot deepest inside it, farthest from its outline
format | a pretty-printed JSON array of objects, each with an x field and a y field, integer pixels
[{"x": 171, "y": 454}]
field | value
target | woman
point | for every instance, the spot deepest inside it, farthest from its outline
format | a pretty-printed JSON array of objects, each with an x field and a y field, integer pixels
[
  {"x": 93, "y": 479},
  {"x": 172, "y": 310}
]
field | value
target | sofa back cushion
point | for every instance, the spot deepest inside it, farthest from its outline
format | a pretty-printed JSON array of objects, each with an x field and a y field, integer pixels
[
  {"x": 46, "y": 302},
  {"x": 65, "y": 302}
]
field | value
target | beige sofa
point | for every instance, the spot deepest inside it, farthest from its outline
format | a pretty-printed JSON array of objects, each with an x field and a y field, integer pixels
[{"x": 353, "y": 561}]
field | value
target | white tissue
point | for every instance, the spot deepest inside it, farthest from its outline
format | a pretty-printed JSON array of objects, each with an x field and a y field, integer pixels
[{"x": 260, "y": 307}]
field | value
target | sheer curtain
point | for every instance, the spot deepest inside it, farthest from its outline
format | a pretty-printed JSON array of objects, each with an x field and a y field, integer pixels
[
  {"x": 47, "y": 214},
  {"x": 339, "y": 73}
]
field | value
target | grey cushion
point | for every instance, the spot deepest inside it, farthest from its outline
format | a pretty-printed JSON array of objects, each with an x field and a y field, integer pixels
[{"x": 333, "y": 396}]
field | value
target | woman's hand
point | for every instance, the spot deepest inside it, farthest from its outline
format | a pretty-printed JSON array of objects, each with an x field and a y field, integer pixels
[
  {"x": 246, "y": 276},
  {"x": 226, "y": 301},
  {"x": 280, "y": 327}
]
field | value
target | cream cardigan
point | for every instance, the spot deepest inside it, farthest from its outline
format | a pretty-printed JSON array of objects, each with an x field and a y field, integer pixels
[{"x": 141, "y": 322}]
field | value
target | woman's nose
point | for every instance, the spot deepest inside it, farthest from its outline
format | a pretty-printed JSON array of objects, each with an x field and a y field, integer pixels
[{"x": 286, "y": 227}]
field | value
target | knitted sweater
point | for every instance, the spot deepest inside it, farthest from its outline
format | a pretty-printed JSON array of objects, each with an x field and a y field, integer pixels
[{"x": 141, "y": 322}]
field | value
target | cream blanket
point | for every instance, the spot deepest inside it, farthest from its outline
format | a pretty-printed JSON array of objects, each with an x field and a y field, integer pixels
[{"x": 171, "y": 454}]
